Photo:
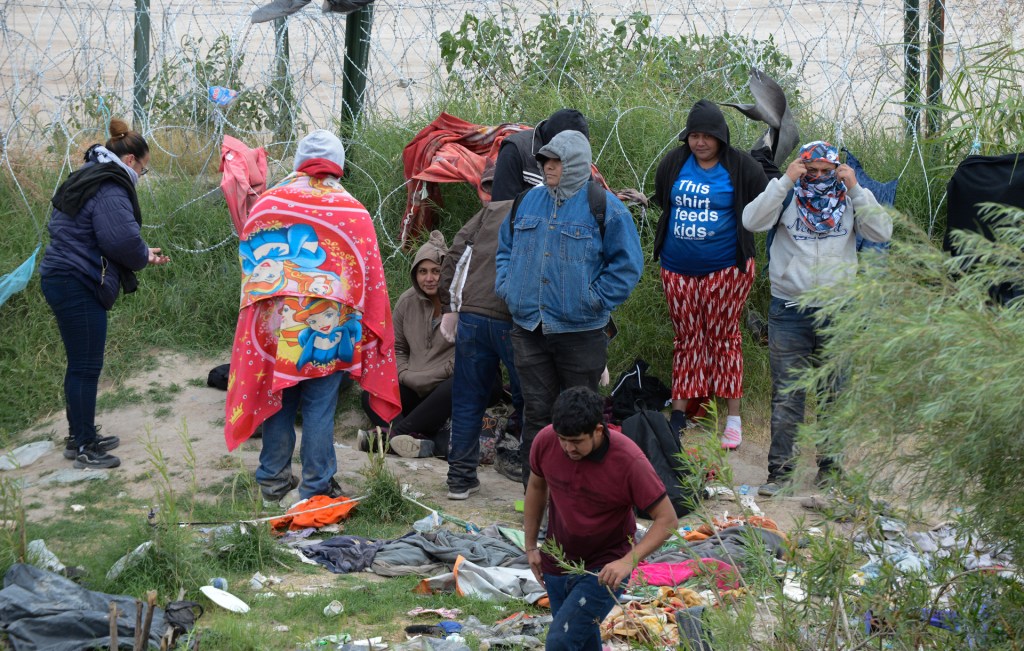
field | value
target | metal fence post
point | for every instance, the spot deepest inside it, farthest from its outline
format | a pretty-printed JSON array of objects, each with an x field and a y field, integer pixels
[
  {"x": 282, "y": 82},
  {"x": 936, "y": 46},
  {"x": 141, "y": 82},
  {"x": 912, "y": 64},
  {"x": 357, "y": 56}
]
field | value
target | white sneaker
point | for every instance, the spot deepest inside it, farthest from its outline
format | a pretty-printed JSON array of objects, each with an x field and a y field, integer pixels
[{"x": 410, "y": 447}]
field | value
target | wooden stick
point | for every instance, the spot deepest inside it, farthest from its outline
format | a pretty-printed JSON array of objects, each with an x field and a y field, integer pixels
[
  {"x": 151, "y": 602},
  {"x": 113, "y": 625},
  {"x": 136, "y": 645}
]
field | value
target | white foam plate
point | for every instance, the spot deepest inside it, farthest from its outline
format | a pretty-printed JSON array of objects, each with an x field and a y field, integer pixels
[{"x": 225, "y": 600}]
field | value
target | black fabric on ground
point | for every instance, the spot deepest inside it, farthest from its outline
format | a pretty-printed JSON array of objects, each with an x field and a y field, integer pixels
[
  {"x": 343, "y": 554},
  {"x": 43, "y": 611},
  {"x": 654, "y": 436}
]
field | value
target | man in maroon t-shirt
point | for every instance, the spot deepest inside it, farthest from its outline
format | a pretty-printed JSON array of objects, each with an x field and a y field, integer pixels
[{"x": 591, "y": 478}]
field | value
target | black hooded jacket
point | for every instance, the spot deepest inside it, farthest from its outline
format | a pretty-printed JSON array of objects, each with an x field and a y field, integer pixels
[
  {"x": 747, "y": 176},
  {"x": 516, "y": 168}
]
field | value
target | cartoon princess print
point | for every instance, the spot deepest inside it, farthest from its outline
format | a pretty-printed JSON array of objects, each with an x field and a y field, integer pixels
[
  {"x": 288, "y": 346},
  {"x": 325, "y": 338},
  {"x": 269, "y": 258}
]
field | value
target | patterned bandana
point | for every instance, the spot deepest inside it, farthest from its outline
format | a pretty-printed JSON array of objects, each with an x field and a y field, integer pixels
[{"x": 821, "y": 199}]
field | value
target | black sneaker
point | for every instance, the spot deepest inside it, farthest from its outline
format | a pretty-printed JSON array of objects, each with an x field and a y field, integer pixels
[
  {"x": 91, "y": 456},
  {"x": 104, "y": 443}
]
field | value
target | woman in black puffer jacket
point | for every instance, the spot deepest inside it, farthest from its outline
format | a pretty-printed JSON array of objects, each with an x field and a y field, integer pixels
[{"x": 94, "y": 251}]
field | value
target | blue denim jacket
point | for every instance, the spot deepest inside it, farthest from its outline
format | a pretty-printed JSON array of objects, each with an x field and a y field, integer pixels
[{"x": 557, "y": 270}]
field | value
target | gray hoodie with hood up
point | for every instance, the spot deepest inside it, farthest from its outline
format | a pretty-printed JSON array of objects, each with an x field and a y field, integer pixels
[{"x": 573, "y": 149}]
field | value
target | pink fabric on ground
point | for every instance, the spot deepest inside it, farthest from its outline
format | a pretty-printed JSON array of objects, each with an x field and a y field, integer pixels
[{"x": 673, "y": 574}]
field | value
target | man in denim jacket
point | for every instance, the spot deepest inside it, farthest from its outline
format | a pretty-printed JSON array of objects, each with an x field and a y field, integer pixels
[{"x": 561, "y": 278}]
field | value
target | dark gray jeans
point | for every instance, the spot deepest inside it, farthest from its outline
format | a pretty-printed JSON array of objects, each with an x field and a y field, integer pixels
[
  {"x": 547, "y": 364},
  {"x": 794, "y": 344}
]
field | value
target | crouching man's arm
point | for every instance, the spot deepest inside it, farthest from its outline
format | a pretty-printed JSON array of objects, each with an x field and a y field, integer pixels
[
  {"x": 533, "y": 512},
  {"x": 664, "y": 525}
]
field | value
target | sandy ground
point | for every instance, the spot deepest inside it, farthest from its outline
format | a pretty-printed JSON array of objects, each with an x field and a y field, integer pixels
[{"x": 195, "y": 413}]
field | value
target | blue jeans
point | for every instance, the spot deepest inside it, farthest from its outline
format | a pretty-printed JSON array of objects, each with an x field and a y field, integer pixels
[
  {"x": 578, "y": 605},
  {"x": 480, "y": 345},
  {"x": 794, "y": 345},
  {"x": 547, "y": 365},
  {"x": 82, "y": 322},
  {"x": 318, "y": 398}
]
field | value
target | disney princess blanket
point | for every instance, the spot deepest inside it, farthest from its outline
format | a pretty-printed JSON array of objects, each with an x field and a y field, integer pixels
[{"x": 314, "y": 302}]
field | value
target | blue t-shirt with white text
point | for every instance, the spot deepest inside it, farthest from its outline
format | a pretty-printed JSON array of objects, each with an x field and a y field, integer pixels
[{"x": 701, "y": 236}]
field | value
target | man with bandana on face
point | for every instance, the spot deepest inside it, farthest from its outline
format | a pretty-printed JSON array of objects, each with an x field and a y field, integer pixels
[{"x": 814, "y": 245}]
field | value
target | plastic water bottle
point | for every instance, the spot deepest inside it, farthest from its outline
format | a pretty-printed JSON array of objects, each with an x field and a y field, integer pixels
[{"x": 744, "y": 489}]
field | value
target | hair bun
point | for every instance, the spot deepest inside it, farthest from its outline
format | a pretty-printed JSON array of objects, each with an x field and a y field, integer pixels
[{"x": 118, "y": 129}]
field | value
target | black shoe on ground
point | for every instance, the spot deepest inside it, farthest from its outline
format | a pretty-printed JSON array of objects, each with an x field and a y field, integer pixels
[
  {"x": 827, "y": 477},
  {"x": 104, "y": 443},
  {"x": 91, "y": 456}
]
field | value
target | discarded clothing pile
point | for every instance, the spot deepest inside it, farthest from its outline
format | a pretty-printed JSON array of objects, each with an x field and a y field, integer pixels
[
  {"x": 916, "y": 552},
  {"x": 732, "y": 541},
  {"x": 489, "y": 583},
  {"x": 40, "y": 610},
  {"x": 518, "y": 631},
  {"x": 422, "y": 554},
  {"x": 650, "y": 622}
]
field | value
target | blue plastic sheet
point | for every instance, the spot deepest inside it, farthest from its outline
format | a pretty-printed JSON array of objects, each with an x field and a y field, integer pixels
[{"x": 16, "y": 281}]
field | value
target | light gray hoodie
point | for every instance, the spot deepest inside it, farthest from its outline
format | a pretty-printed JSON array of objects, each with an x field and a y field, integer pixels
[
  {"x": 800, "y": 259},
  {"x": 573, "y": 149}
]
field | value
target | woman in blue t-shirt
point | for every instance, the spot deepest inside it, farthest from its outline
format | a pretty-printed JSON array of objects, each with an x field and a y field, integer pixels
[{"x": 707, "y": 261}]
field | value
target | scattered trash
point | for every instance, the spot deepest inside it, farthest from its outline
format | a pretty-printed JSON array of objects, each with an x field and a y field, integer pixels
[
  {"x": 407, "y": 490},
  {"x": 222, "y": 96},
  {"x": 121, "y": 495},
  {"x": 342, "y": 446},
  {"x": 720, "y": 491},
  {"x": 43, "y": 558},
  {"x": 745, "y": 489},
  {"x": 128, "y": 560},
  {"x": 77, "y": 508},
  {"x": 334, "y": 609},
  {"x": 258, "y": 581},
  {"x": 344, "y": 638},
  {"x": 219, "y": 582},
  {"x": 281, "y": 628},
  {"x": 792, "y": 590},
  {"x": 69, "y": 476},
  {"x": 748, "y": 503},
  {"x": 430, "y": 524},
  {"x": 24, "y": 455},
  {"x": 225, "y": 599},
  {"x": 446, "y": 613}
]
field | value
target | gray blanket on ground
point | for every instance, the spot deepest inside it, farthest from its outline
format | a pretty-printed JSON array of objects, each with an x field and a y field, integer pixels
[
  {"x": 428, "y": 554},
  {"x": 734, "y": 545},
  {"x": 42, "y": 611}
]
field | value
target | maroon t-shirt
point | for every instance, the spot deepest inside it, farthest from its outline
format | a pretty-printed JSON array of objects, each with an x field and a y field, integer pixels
[{"x": 590, "y": 503}]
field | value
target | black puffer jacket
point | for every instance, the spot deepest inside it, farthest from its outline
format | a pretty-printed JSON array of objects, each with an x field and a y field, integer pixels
[{"x": 101, "y": 244}]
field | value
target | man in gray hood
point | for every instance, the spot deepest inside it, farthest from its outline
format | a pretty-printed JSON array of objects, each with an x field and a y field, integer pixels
[{"x": 561, "y": 273}]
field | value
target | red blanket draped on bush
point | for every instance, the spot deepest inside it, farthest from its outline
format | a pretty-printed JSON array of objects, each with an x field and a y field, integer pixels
[
  {"x": 314, "y": 302},
  {"x": 447, "y": 150}
]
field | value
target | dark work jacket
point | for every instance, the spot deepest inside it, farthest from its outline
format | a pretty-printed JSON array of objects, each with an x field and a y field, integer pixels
[
  {"x": 516, "y": 168},
  {"x": 95, "y": 231},
  {"x": 748, "y": 181}
]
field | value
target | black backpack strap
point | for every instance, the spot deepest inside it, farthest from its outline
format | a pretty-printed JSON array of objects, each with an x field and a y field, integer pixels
[
  {"x": 598, "y": 201},
  {"x": 771, "y": 232},
  {"x": 512, "y": 213}
]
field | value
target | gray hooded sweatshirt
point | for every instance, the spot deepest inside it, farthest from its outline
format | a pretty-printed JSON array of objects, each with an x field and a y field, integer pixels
[{"x": 573, "y": 149}]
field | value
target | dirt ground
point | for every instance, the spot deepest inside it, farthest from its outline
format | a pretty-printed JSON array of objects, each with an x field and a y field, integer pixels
[{"x": 175, "y": 405}]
